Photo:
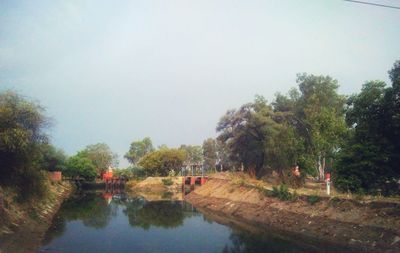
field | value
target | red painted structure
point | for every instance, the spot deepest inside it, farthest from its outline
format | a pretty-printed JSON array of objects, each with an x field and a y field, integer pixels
[
  {"x": 55, "y": 176},
  {"x": 192, "y": 180},
  {"x": 328, "y": 177},
  {"x": 107, "y": 175}
]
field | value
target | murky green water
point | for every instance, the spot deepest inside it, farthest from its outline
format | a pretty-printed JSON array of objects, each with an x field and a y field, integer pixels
[{"x": 95, "y": 222}]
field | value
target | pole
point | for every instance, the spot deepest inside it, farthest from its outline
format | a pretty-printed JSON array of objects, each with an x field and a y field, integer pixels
[{"x": 328, "y": 187}]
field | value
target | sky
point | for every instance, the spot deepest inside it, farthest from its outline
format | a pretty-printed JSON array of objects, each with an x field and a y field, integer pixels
[{"x": 118, "y": 71}]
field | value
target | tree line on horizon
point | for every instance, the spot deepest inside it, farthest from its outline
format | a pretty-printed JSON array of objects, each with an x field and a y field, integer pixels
[{"x": 356, "y": 138}]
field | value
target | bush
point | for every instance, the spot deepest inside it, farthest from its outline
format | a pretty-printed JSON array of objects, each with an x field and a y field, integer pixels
[
  {"x": 167, "y": 181},
  {"x": 282, "y": 193},
  {"x": 312, "y": 199}
]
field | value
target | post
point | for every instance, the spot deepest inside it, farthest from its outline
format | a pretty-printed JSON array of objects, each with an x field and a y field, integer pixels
[{"x": 328, "y": 183}]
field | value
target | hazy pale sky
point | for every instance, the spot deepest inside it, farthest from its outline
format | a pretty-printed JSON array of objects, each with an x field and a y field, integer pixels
[{"x": 117, "y": 71}]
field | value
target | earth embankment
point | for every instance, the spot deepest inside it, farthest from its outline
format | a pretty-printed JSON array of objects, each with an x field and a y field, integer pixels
[
  {"x": 24, "y": 224},
  {"x": 372, "y": 226}
]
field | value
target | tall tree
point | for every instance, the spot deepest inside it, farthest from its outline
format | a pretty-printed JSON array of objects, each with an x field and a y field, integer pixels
[
  {"x": 252, "y": 134},
  {"x": 316, "y": 111},
  {"x": 100, "y": 155},
  {"x": 194, "y": 154},
  {"x": 210, "y": 153},
  {"x": 162, "y": 162},
  {"x": 22, "y": 125},
  {"x": 138, "y": 149},
  {"x": 369, "y": 160}
]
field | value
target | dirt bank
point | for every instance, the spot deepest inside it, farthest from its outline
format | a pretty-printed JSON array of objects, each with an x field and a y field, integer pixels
[
  {"x": 356, "y": 226},
  {"x": 23, "y": 225},
  {"x": 158, "y": 188}
]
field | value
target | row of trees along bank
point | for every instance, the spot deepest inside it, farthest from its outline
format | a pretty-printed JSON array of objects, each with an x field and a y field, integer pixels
[
  {"x": 356, "y": 137},
  {"x": 313, "y": 126}
]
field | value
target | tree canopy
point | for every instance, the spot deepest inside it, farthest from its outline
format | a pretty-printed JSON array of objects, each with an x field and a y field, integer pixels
[
  {"x": 100, "y": 155},
  {"x": 138, "y": 149},
  {"x": 369, "y": 160},
  {"x": 22, "y": 132},
  {"x": 162, "y": 161}
]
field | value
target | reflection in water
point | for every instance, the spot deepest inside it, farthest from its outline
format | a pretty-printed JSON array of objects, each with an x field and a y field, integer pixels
[
  {"x": 165, "y": 214},
  {"x": 103, "y": 222}
]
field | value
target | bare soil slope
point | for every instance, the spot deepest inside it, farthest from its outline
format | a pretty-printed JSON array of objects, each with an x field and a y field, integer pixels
[{"x": 366, "y": 226}]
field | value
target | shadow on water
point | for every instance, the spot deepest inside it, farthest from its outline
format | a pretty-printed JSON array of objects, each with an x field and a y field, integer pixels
[{"x": 131, "y": 223}]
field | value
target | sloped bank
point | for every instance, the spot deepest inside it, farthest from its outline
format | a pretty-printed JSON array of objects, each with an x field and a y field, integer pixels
[
  {"x": 23, "y": 225},
  {"x": 347, "y": 225}
]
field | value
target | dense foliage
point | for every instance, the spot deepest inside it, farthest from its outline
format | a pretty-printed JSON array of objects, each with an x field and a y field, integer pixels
[
  {"x": 369, "y": 160},
  {"x": 316, "y": 128},
  {"x": 161, "y": 162},
  {"x": 22, "y": 124},
  {"x": 79, "y": 166},
  {"x": 138, "y": 149}
]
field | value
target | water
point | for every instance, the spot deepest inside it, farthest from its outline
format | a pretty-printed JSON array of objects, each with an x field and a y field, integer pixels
[{"x": 96, "y": 222}]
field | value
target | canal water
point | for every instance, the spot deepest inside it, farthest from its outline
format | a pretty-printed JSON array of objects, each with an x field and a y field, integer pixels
[{"x": 98, "y": 222}]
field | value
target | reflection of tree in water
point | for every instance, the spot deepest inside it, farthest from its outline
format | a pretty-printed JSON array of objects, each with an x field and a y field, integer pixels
[
  {"x": 56, "y": 229},
  {"x": 90, "y": 208},
  {"x": 244, "y": 242},
  {"x": 164, "y": 214}
]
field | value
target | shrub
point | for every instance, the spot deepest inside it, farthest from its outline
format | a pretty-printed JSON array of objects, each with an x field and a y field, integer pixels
[
  {"x": 167, "y": 181},
  {"x": 312, "y": 199},
  {"x": 283, "y": 193},
  {"x": 167, "y": 195}
]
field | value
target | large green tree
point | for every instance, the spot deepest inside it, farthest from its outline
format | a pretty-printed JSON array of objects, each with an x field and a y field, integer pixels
[
  {"x": 80, "y": 166},
  {"x": 317, "y": 113},
  {"x": 369, "y": 160},
  {"x": 138, "y": 149},
  {"x": 257, "y": 138},
  {"x": 51, "y": 158},
  {"x": 161, "y": 162},
  {"x": 22, "y": 125},
  {"x": 100, "y": 155}
]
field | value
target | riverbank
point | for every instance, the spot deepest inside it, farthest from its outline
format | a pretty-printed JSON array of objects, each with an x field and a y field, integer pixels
[
  {"x": 354, "y": 225},
  {"x": 23, "y": 224}
]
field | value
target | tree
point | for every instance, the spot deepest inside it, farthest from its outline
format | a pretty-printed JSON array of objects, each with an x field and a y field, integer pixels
[
  {"x": 194, "y": 154},
  {"x": 51, "y": 158},
  {"x": 138, "y": 149},
  {"x": 210, "y": 153},
  {"x": 316, "y": 112},
  {"x": 80, "y": 166},
  {"x": 252, "y": 134},
  {"x": 161, "y": 162},
  {"x": 100, "y": 155},
  {"x": 22, "y": 124},
  {"x": 323, "y": 111},
  {"x": 369, "y": 160}
]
